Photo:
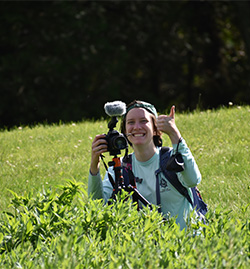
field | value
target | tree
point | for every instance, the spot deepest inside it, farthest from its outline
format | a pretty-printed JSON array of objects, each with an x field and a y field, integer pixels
[{"x": 64, "y": 60}]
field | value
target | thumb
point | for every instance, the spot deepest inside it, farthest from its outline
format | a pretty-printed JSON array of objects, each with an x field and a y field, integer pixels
[{"x": 172, "y": 112}]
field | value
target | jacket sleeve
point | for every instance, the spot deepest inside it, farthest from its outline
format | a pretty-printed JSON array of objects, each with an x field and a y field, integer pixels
[
  {"x": 191, "y": 175},
  {"x": 98, "y": 188}
]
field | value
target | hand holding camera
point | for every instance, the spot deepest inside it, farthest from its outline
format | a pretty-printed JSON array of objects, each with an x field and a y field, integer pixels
[{"x": 99, "y": 146}]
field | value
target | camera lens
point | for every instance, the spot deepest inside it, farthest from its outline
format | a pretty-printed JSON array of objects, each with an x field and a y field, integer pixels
[
  {"x": 120, "y": 142},
  {"x": 116, "y": 142}
]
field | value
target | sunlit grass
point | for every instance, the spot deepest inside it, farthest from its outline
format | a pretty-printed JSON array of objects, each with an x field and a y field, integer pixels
[
  {"x": 48, "y": 155},
  {"x": 61, "y": 228}
]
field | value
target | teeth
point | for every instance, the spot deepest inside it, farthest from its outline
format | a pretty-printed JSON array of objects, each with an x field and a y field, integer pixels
[{"x": 139, "y": 135}]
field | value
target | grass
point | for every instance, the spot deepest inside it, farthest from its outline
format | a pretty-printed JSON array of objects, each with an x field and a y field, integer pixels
[
  {"x": 44, "y": 156},
  {"x": 48, "y": 155},
  {"x": 49, "y": 230},
  {"x": 220, "y": 143}
]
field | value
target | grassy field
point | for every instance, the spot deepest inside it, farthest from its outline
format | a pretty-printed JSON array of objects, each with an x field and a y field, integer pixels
[{"x": 47, "y": 156}]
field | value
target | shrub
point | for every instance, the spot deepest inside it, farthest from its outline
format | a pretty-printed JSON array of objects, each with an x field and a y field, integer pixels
[{"x": 52, "y": 230}]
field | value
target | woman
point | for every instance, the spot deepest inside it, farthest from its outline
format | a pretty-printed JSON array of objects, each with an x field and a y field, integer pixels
[{"x": 143, "y": 129}]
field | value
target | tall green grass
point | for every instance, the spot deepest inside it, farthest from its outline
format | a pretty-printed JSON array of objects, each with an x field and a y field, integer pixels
[
  {"x": 220, "y": 143},
  {"x": 48, "y": 155},
  {"x": 48, "y": 229},
  {"x": 45, "y": 156}
]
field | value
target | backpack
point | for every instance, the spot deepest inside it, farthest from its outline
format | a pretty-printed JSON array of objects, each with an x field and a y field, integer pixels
[{"x": 129, "y": 179}]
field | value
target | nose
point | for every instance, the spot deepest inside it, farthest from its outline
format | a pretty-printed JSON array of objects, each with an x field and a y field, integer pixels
[{"x": 137, "y": 125}]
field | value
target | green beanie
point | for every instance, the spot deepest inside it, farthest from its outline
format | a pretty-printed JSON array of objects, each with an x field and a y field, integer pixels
[{"x": 137, "y": 104}]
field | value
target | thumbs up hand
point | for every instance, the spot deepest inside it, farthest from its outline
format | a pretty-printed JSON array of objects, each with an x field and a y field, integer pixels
[{"x": 166, "y": 124}]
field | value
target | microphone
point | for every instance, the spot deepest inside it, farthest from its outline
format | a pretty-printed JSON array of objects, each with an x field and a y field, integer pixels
[{"x": 114, "y": 109}]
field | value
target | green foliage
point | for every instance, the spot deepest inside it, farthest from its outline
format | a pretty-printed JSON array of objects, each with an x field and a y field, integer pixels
[
  {"x": 220, "y": 143},
  {"x": 97, "y": 51},
  {"x": 46, "y": 232},
  {"x": 31, "y": 158},
  {"x": 40, "y": 217},
  {"x": 51, "y": 227},
  {"x": 44, "y": 156}
]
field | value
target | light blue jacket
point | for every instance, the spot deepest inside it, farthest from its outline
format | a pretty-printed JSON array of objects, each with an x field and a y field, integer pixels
[{"x": 171, "y": 200}]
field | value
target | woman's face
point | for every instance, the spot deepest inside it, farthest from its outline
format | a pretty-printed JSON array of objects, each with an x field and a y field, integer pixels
[{"x": 139, "y": 127}]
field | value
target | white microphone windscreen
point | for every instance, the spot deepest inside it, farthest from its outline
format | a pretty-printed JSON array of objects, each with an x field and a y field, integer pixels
[{"x": 116, "y": 108}]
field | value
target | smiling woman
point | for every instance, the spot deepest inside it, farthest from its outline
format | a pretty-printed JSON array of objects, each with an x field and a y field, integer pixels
[
  {"x": 147, "y": 115},
  {"x": 139, "y": 124},
  {"x": 143, "y": 128}
]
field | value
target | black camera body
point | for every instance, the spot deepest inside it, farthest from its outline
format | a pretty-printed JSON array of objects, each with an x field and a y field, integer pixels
[
  {"x": 116, "y": 141},
  {"x": 176, "y": 163}
]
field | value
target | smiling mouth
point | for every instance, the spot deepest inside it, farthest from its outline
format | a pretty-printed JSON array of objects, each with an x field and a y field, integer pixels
[{"x": 138, "y": 135}]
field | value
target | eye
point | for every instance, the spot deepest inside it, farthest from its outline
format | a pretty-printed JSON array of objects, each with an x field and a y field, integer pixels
[
  {"x": 130, "y": 122},
  {"x": 144, "y": 121}
]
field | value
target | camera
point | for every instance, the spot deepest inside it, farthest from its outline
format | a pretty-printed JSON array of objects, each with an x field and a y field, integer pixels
[
  {"x": 176, "y": 163},
  {"x": 116, "y": 141}
]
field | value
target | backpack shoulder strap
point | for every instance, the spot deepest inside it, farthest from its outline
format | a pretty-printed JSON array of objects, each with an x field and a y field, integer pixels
[
  {"x": 198, "y": 203},
  {"x": 127, "y": 161},
  {"x": 165, "y": 153},
  {"x": 128, "y": 175},
  {"x": 171, "y": 176}
]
